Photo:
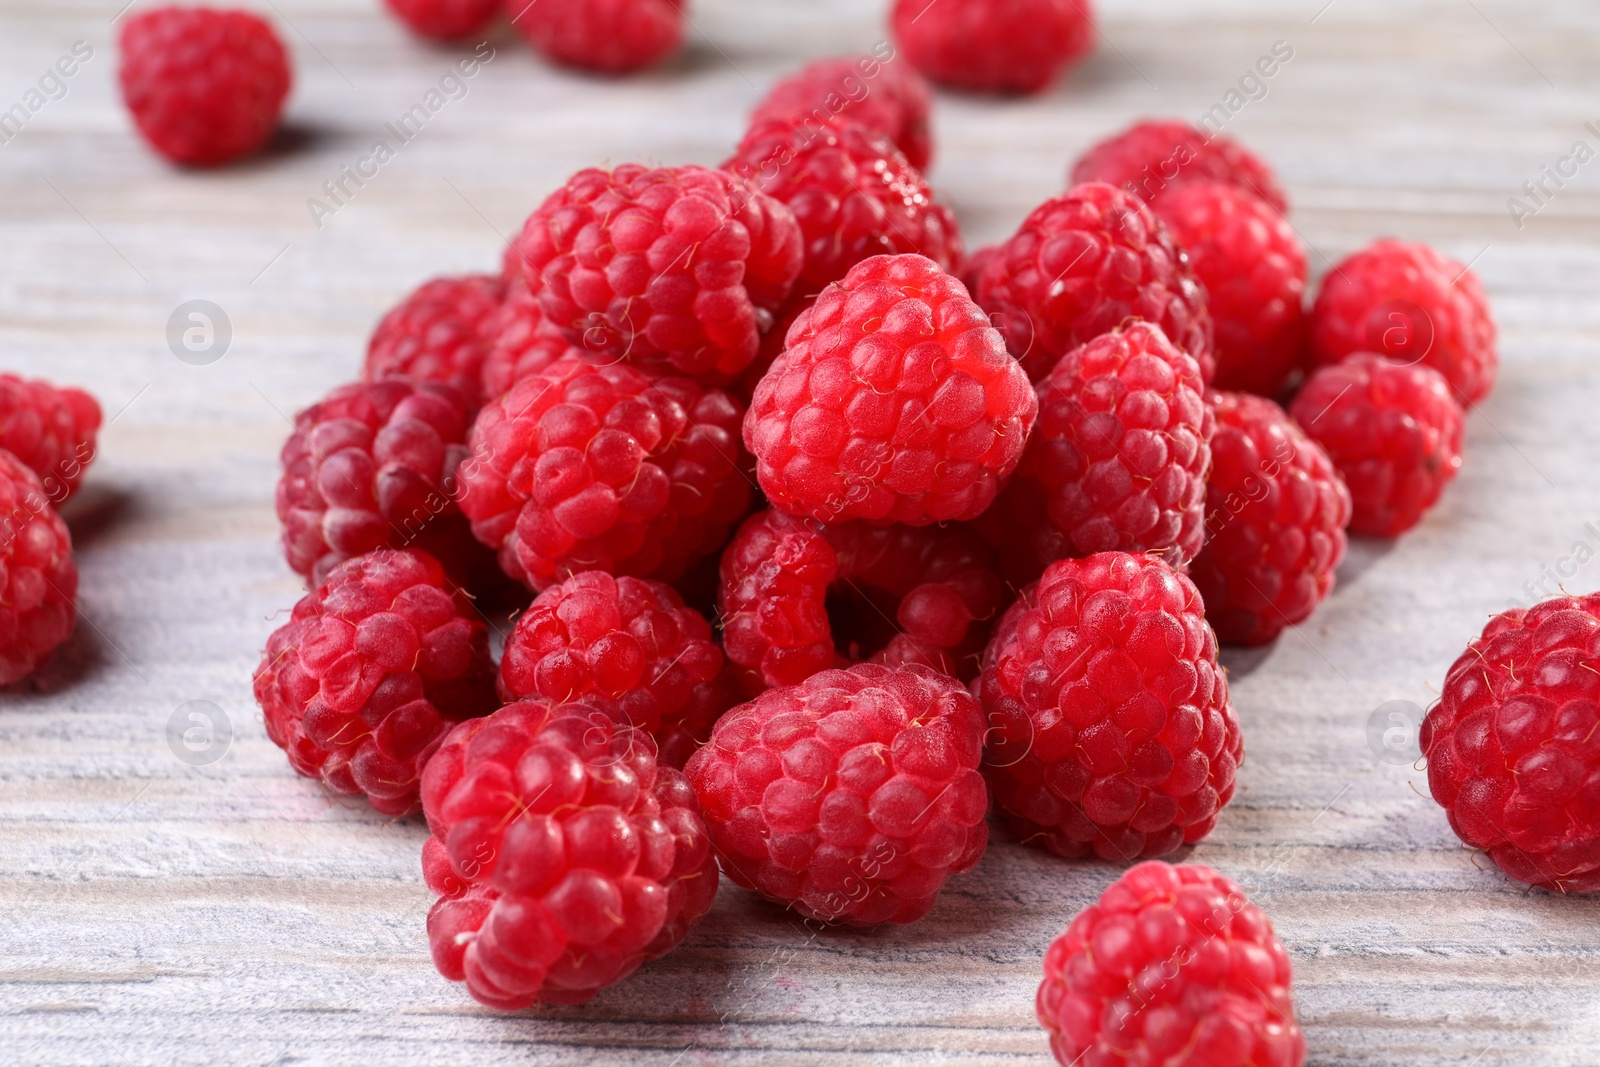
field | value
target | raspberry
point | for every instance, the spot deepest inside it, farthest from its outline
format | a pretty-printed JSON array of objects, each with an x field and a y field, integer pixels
[
  {"x": 1111, "y": 733},
  {"x": 850, "y": 797},
  {"x": 609, "y": 36},
  {"x": 972, "y": 266},
  {"x": 895, "y": 401},
  {"x": 1394, "y": 432},
  {"x": 563, "y": 855},
  {"x": 204, "y": 86},
  {"x": 676, "y": 265},
  {"x": 884, "y": 96},
  {"x": 444, "y": 19},
  {"x": 50, "y": 429},
  {"x": 1513, "y": 746},
  {"x": 1173, "y": 967},
  {"x": 993, "y": 46},
  {"x": 902, "y": 594},
  {"x": 1412, "y": 304},
  {"x": 1253, "y": 267},
  {"x": 1082, "y": 264},
  {"x": 1151, "y": 155},
  {"x": 1118, "y": 459},
  {"x": 439, "y": 333},
  {"x": 38, "y": 577},
  {"x": 521, "y": 342},
  {"x": 772, "y": 345},
  {"x": 358, "y": 686},
  {"x": 1276, "y": 510},
  {"x": 852, "y": 192},
  {"x": 604, "y": 468}
]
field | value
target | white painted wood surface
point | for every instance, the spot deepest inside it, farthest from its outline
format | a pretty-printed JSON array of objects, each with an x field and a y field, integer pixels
[{"x": 157, "y": 912}]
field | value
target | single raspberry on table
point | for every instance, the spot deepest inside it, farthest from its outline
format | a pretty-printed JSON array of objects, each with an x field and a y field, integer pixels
[
  {"x": 1155, "y": 154},
  {"x": 1111, "y": 733},
  {"x": 1276, "y": 509},
  {"x": 38, "y": 576},
  {"x": 205, "y": 86},
  {"x": 1082, "y": 264},
  {"x": 1253, "y": 266},
  {"x": 521, "y": 341},
  {"x": 1172, "y": 967},
  {"x": 1413, "y": 304},
  {"x": 895, "y": 401},
  {"x": 869, "y": 90},
  {"x": 609, "y": 36},
  {"x": 1392, "y": 429},
  {"x": 850, "y": 797},
  {"x": 564, "y": 856},
  {"x": 438, "y": 333},
  {"x": 993, "y": 46},
  {"x": 51, "y": 429},
  {"x": 445, "y": 19},
  {"x": 359, "y": 686}
]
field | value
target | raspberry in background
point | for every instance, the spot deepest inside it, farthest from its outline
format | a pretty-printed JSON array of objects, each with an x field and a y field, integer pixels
[
  {"x": 608, "y": 36},
  {"x": 772, "y": 344},
  {"x": 205, "y": 86},
  {"x": 1513, "y": 745},
  {"x": 445, "y": 20},
  {"x": 993, "y": 46},
  {"x": 1410, "y": 303},
  {"x": 972, "y": 267},
  {"x": 681, "y": 266},
  {"x": 438, "y": 333},
  {"x": 872, "y": 90},
  {"x": 359, "y": 686},
  {"x": 51, "y": 429},
  {"x": 1253, "y": 267},
  {"x": 38, "y": 576},
  {"x": 521, "y": 342},
  {"x": 1152, "y": 155},
  {"x": 1394, "y": 432},
  {"x": 1276, "y": 510},
  {"x": 894, "y": 401},
  {"x": 850, "y": 797},
  {"x": 1172, "y": 967},
  {"x": 1082, "y": 264},
  {"x": 1110, "y": 729},
  {"x": 563, "y": 855}
]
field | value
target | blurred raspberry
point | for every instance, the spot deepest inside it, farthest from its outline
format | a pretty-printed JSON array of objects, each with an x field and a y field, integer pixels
[
  {"x": 521, "y": 342},
  {"x": 445, "y": 20},
  {"x": 51, "y": 429},
  {"x": 438, "y": 333},
  {"x": 609, "y": 36},
  {"x": 993, "y": 46},
  {"x": 972, "y": 267},
  {"x": 1153, "y": 154},
  {"x": 38, "y": 576},
  {"x": 882, "y": 95}
]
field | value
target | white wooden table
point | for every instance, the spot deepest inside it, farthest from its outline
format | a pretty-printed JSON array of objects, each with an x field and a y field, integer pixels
[{"x": 155, "y": 910}]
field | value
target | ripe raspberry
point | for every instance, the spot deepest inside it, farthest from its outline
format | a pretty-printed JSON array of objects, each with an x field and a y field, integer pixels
[
  {"x": 1111, "y": 733},
  {"x": 1412, "y": 304},
  {"x": 895, "y": 401},
  {"x": 1151, "y": 155},
  {"x": 50, "y": 429},
  {"x": 1173, "y": 967},
  {"x": 852, "y": 192},
  {"x": 358, "y": 686},
  {"x": 563, "y": 855},
  {"x": 38, "y": 577},
  {"x": 1394, "y": 432},
  {"x": 1082, "y": 264},
  {"x": 1513, "y": 746},
  {"x": 852, "y": 796},
  {"x": 885, "y": 96},
  {"x": 1118, "y": 459},
  {"x": 439, "y": 333},
  {"x": 676, "y": 265},
  {"x": 1253, "y": 267},
  {"x": 604, "y": 468},
  {"x": 993, "y": 46},
  {"x": 521, "y": 342},
  {"x": 609, "y": 36},
  {"x": 204, "y": 86},
  {"x": 445, "y": 19},
  {"x": 972, "y": 266},
  {"x": 1276, "y": 510},
  {"x": 773, "y": 343},
  {"x": 901, "y": 595}
]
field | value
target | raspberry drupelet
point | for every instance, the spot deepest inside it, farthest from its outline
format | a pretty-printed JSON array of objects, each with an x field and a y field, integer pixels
[
  {"x": 51, "y": 429},
  {"x": 563, "y": 856},
  {"x": 438, "y": 333},
  {"x": 446, "y": 20},
  {"x": 521, "y": 341},
  {"x": 894, "y": 401},
  {"x": 359, "y": 686},
  {"x": 1171, "y": 967},
  {"x": 608, "y": 36},
  {"x": 869, "y": 90},
  {"x": 993, "y": 46},
  {"x": 850, "y": 797},
  {"x": 1156, "y": 154},
  {"x": 38, "y": 576}
]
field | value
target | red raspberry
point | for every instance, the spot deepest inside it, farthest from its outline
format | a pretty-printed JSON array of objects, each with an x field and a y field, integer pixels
[
  {"x": 901, "y": 594},
  {"x": 38, "y": 577},
  {"x": 563, "y": 855},
  {"x": 445, "y": 19},
  {"x": 850, "y": 797},
  {"x": 204, "y": 86},
  {"x": 439, "y": 333},
  {"x": 993, "y": 46},
  {"x": 50, "y": 429},
  {"x": 884, "y": 96},
  {"x": 604, "y": 468},
  {"x": 1111, "y": 731},
  {"x": 1513, "y": 746},
  {"x": 1082, "y": 264},
  {"x": 1253, "y": 267},
  {"x": 1412, "y": 304},
  {"x": 610, "y": 36},
  {"x": 772, "y": 345},
  {"x": 521, "y": 342},
  {"x": 1118, "y": 459},
  {"x": 1276, "y": 510},
  {"x": 1149, "y": 156},
  {"x": 973, "y": 265},
  {"x": 676, "y": 265},
  {"x": 1394, "y": 432},
  {"x": 1173, "y": 967},
  {"x": 358, "y": 685},
  {"x": 895, "y": 401},
  {"x": 852, "y": 192}
]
